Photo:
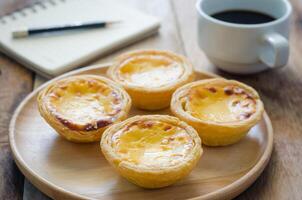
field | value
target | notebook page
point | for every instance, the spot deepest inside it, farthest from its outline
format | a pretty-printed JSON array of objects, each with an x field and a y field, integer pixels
[{"x": 57, "y": 53}]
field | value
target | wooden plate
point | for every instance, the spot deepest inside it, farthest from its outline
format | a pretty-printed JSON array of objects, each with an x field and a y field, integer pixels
[{"x": 65, "y": 170}]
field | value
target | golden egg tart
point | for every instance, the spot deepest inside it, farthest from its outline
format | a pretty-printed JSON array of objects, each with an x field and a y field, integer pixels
[
  {"x": 81, "y": 107},
  {"x": 222, "y": 111},
  {"x": 151, "y": 76},
  {"x": 152, "y": 151}
]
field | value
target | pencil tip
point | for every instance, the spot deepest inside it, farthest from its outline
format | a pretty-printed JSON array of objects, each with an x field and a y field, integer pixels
[{"x": 114, "y": 22}]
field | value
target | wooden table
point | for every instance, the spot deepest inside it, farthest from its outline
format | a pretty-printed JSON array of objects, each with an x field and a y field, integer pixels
[{"x": 281, "y": 91}]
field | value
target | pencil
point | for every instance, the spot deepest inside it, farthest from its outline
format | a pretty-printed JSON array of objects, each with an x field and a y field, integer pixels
[{"x": 25, "y": 32}]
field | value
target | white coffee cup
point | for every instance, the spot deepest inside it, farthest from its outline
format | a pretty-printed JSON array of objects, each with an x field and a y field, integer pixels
[{"x": 244, "y": 48}]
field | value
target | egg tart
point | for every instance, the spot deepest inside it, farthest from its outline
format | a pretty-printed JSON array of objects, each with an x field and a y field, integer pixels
[
  {"x": 222, "y": 111},
  {"x": 151, "y": 76},
  {"x": 152, "y": 151},
  {"x": 81, "y": 107}
]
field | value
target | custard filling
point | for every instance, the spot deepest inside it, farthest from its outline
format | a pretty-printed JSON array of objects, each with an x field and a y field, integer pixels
[
  {"x": 220, "y": 103},
  {"x": 152, "y": 143},
  {"x": 88, "y": 103},
  {"x": 150, "y": 71}
]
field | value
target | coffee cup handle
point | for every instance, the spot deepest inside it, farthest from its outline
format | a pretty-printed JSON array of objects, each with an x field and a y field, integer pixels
[{"x": 274, "y": 50}]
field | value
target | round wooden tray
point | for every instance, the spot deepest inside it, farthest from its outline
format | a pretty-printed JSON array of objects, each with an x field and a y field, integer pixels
[{"x": 65, "y": 170}]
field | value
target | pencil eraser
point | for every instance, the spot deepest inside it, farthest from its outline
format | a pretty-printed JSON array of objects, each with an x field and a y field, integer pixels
[{"x": 20, "y": 33}]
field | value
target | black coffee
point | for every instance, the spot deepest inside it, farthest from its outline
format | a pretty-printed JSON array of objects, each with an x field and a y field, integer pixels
[{"x": 243, "y": 17}]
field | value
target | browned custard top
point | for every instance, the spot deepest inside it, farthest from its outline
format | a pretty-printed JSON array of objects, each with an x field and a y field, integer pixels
[
  {"x": 84, "y": 104},
  {"x": 151, "y": 70},
  {"x": 220, "y": 103},
  {"x": 153, "y": 143}
]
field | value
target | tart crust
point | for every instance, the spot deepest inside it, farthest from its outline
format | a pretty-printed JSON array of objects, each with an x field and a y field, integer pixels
[
  {"x": 81, "y": 107},
  {"x": 151, "y": 76},
  {"x": 222, "y": 111},
  {"x": 152, "y": 151}
]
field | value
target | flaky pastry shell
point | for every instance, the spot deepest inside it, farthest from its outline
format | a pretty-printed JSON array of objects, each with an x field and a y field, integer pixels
[
  {"x": 222, "y": 111},
  {"x": 151, "y": 76},
  {"x": 81, "y": 107},
  {"x": 152, "y": 151}
]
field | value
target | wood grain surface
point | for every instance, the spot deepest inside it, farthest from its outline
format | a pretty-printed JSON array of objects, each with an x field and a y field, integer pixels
[
  {"x": 281, "y": 91},
  {"x": 87, "y": 173},
  {"x": 15, "y": 84}
]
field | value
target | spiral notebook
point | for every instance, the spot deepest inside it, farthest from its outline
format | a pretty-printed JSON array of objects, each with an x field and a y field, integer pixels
[{"x": 53, "y": 54}]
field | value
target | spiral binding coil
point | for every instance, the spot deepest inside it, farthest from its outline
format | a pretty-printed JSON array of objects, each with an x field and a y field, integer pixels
[{"x": 32, "y": 8}]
